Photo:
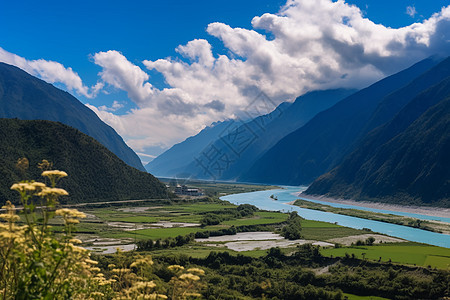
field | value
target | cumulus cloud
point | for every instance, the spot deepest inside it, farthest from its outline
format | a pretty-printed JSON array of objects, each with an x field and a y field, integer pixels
[
  {"x": 307, "y": 45},
  {"x": 50, "y": 71}
]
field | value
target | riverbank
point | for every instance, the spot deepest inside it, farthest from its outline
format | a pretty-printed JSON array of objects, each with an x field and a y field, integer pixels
[
  {"x": 422, "y": 210},
  {"x": 434, "y": 226}
]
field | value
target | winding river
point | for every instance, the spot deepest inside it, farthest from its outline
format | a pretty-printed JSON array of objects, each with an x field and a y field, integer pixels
[{"x": 262, "y": 200}]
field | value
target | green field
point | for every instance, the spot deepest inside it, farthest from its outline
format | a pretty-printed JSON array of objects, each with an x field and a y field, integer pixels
[
  {"x": 183, "y": 211},
  {"x": 260, "y": 218},
  {"x": 316, "y": 230},
  {"x": 404, "y": 253}
]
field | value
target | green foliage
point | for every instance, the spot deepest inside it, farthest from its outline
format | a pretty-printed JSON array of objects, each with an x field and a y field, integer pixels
[
  {"x": 404, "y": 253},
  {"x": 293, "y": 229}
]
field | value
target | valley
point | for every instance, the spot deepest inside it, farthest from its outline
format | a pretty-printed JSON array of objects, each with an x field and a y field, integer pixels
[
  {"x": 225, "y": 150},
  {"x": 124, "y": 225}
]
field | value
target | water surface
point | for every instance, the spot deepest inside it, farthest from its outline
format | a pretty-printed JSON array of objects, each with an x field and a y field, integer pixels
[{"x": 262, "y": 200}]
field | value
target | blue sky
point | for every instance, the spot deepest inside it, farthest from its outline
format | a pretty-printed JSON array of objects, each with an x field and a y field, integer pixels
[{"x": 129, "y": 94}]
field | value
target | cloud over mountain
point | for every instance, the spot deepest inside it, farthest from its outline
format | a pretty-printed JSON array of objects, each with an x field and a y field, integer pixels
[{"x": 52, "y": 72}]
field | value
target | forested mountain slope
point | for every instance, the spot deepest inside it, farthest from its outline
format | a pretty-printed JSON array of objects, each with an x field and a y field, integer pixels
[
  {"x": 95, "y": 173},
  {"x": 321, "y": 144},
  {"x": 405, "y": 161}
]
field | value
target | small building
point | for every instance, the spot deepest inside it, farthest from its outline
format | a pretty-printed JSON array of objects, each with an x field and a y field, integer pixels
[{"x": 184, "y": 190}]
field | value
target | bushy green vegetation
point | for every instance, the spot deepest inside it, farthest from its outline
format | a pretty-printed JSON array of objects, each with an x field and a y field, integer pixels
[
  {"x": 293, "y": 228},
  {"x": 300, "y": 275}
]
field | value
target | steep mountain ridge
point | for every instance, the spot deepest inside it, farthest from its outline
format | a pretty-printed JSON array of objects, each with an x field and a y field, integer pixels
[
  {"x": 321, "y": 144},
  {"x": 29, "y": 98},
  {"x": 175, "y": 160},
  {"x": 237, "y": 143},
  {"x": 405, "y": 161}
]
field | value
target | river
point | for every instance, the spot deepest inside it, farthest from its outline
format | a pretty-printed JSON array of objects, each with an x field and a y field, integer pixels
[{"x": 262, "y": 200}]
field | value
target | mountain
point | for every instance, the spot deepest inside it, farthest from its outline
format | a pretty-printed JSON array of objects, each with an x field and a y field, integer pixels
[
  {"x": 227, "y": 150},
  {"x": 173, "y": 161},
  {"x": 289, "y": 119},
  {"x": 321, "y": 144},
  {"x": 405, "y": 161},
  {"x": 29, "y": 98},
  {"x": 95, "y": 173}
]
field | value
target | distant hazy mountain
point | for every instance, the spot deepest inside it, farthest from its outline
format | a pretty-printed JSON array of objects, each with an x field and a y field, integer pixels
[
  {"x": 95, "y": 173},
  {"x": 174, "y": 161},
  {"x": 321, "y": 144},
  {"x": 29, "y": 98},
  {"x": 407, "y": 160},
  {"x": 226, "y": 150}
]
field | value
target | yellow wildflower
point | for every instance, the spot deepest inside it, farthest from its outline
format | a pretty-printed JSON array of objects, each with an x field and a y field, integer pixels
[
  {"x": 144, "y": 285},
  {"x": 38, "y": 184},
  {"x": 146, "y": 261},
  {"x": 23, "y": 187},
  {"x": 119, "y": 271},
  {"x": 65, "y": 212},
  {"x": 175, "y": 268},
  {"x": 54, "y": 173},
  {"x": 75, "y": 241},
  {"x": 196, "y": 271},
  {"x": 46, "y": 191},
  {"x": 94, "y": 269},
  {"x": 90, "y": 261},
  {"x": 10, "y": 217},
  {"x": 189, "y": 276},
  {"x": 72, "y": 221}
]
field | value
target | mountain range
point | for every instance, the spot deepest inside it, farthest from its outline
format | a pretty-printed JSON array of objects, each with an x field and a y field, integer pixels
[
  {"x": 26, "y": 97},
  {"x": 223, "y": 150},
  {"x": 322, "y": 143},
  {"x": 406, "y": 160}
]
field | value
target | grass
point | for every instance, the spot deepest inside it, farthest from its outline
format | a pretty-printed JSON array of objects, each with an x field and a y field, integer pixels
[
  {"x": 322, "y": 231},
  {"x": 195, "y": 251},
  {"x": 158, "y": 233},
  {"x": 404, "y": 253},
  {"x": 260, "y": 218},
  {"x": 136, "y": 219}
]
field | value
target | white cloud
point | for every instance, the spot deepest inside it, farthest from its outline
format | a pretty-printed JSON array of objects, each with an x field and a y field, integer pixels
[
  {"x": 312, "y": 44},
  {"x": 308, "y": 45},
  {"x": 114, "y": 107},
  {"x": 51, "y": 72},
  {"x": 411, "y": 11},
  {"x": 122, "y": 74}
]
